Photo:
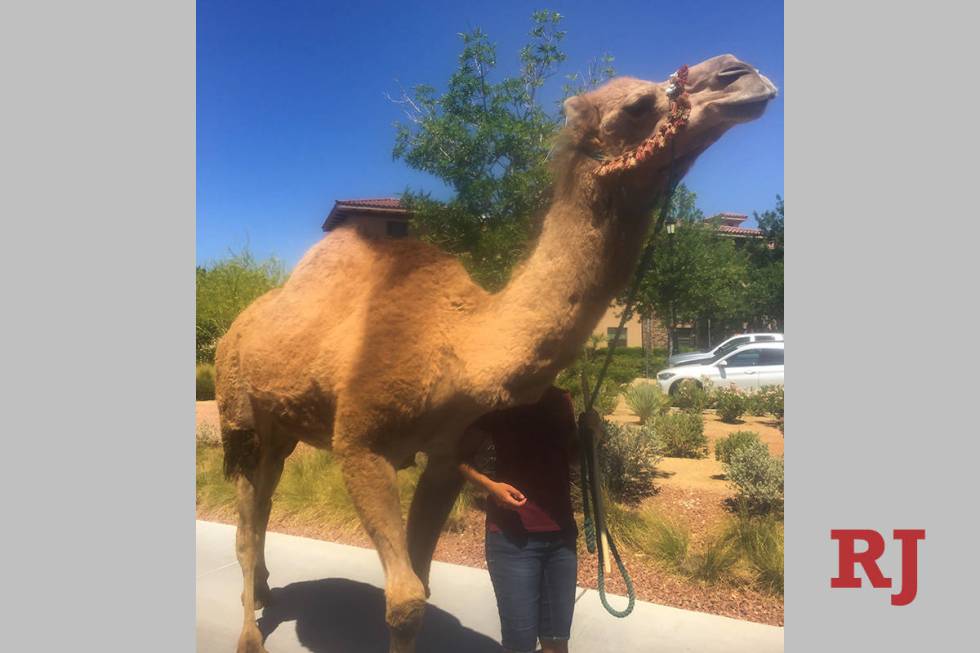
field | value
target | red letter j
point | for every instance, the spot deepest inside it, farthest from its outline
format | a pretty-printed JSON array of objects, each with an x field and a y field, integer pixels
[{"x": 910, "y": 564}]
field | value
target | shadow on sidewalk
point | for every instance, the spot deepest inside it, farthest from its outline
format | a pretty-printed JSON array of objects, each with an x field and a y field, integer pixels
[{"x": 337, "y": 615}]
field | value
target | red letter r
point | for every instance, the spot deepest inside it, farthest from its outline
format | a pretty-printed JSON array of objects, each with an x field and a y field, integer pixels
[{"x": 848, "y": 557}]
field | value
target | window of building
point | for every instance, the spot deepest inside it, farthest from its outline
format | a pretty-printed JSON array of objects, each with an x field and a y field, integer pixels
[
  {"x": 611, "y": 336},
  {"x": 396, "y": 228}
]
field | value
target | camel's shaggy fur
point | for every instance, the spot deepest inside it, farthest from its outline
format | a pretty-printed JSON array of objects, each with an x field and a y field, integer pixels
[{"x": 384, "y": 348}]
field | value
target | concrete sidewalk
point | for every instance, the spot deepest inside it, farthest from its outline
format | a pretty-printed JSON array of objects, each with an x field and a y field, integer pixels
[{"x": 328, "y": 600}]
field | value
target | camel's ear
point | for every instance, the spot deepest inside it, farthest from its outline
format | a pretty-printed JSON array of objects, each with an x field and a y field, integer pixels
[{"x": 581, "y": 118}]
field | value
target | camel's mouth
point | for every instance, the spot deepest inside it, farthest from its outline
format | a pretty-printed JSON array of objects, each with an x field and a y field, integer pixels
[{"x": 746, "y": 108}]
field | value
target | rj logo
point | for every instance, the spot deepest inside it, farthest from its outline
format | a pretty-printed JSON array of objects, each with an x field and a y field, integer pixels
[{"x": 848, "y": 558}]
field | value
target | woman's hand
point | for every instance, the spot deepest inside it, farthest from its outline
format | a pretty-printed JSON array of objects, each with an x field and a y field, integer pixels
[{"x": 507, "y": 496}]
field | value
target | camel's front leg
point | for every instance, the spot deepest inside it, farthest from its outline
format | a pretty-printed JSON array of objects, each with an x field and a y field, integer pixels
[
  {"x": 371, "y": 484},
  {"x": 434, "y": 498}
]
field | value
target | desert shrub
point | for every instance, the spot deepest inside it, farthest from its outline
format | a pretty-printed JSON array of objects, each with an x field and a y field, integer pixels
[
  {"x": 755, "y": 404},
  {"x": 692, "y": 396},
  {"x": 214, "y": 491},
  {"x": 771, "y": 398},
  {"x": 670, "y": 541},
  {"x": 208, "y": 434},
  {"x": 205, "y": 381},
  {"x": 679, "y": 435},
  {"x": 648, "y": 532},
  {"x": 713, "y": 561},
  {"x": 628, "y": 462},
  {"x": 759, "y": 541},
  {"x": 730, "y": 403},
  {"x": 724, "y": 447},
  {"x": 646, "y": 400},
  {"x": 757, "y": 477}
]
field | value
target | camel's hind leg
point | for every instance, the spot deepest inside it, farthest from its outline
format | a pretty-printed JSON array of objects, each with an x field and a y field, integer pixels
[
  {"x": 257, "y": 476},
  {"x": 371, "y": 484}
]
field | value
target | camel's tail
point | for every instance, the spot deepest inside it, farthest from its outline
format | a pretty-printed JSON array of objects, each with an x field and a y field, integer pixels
[
  {"x": 241, "y": 452},
  {"x": 238, "y": 435}
]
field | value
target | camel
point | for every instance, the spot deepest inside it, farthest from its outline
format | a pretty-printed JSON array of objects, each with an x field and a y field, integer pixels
[{"x": 379, "y": 349}]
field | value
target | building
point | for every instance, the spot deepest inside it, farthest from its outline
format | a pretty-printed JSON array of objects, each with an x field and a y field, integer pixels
[
  {"x": 730, "y": 224},
  {"x": 386, "y": 217},
  {"x": 381, "y": 217}
]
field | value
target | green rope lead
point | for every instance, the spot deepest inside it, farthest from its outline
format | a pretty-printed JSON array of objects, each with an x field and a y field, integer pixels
[
  {"x": 596, "y": 525},
  {"x": 589, "y": 525}
]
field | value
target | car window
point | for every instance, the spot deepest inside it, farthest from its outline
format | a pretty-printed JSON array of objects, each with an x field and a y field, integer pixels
[
  {"x": 771, "y": 357},
  {"x": 765, "y": 338},
  {"x": 732, "y": 346},
  {"x": 748, "y": 358}
]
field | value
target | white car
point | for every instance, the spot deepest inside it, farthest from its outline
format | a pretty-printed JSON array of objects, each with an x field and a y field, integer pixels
[
  {"x": 729, "y": 345},
  {"x": 749, "y": 367}
]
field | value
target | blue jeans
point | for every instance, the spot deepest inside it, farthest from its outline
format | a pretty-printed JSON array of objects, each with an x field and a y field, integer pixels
[{"x": 533, "y": 578}]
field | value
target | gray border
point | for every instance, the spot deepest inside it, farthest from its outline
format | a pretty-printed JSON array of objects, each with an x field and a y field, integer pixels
[
  {"x": 98, "y": 254},
  {"x": 99, "y": 162},
  {"x": 882, "y": 244}
]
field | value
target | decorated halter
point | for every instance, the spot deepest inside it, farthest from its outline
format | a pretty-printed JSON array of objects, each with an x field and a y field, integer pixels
[{"x": 680, "y": 111}]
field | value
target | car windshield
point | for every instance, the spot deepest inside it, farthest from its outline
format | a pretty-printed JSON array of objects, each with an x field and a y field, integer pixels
[{"x": 729, "y": 348}]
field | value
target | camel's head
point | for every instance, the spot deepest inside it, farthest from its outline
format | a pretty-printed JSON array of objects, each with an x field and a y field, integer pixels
[{"x": 623, "y": 118}]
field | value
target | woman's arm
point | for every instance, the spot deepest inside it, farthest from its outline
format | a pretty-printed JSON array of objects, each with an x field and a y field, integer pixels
[{"x": 506, "y": 496}]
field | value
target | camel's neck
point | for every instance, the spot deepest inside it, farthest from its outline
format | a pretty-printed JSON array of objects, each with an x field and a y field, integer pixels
[{"x": 542, "y": 318}]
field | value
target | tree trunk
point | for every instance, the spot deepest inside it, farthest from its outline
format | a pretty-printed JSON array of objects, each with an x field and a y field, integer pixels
[{"x": 646, "y": 333}]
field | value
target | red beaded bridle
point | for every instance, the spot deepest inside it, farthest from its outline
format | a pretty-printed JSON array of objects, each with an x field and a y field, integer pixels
[{"x": 680, "y": 110}]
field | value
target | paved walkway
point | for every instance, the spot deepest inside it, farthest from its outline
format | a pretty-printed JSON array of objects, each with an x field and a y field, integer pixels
[{"x": 328, "y": 601}]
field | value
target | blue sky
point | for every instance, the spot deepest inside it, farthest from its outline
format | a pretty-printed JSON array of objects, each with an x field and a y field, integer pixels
[{"x": 291, "y": 112}]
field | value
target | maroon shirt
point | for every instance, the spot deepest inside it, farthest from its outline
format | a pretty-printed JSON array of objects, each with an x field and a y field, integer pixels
[{"x": 530, "y": 446}]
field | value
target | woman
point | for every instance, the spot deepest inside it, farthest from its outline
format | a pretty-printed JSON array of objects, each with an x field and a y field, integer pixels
[{"x": 531, "y": 533}]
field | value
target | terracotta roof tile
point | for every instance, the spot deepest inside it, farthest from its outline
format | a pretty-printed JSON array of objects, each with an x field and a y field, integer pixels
[
  {"x": 374, "y": 202},
  {"x": 739, "y": 231}
]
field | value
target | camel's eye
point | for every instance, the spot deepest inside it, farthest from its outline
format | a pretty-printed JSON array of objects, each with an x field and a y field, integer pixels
[{"x": 639, "y": 107}]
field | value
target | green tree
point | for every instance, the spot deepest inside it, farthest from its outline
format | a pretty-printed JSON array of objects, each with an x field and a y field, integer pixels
[
  {"x": 766, "y": 290},
  {"x": 224, "y": 289},
  {"x": 696, "y": 273},
  {"x": 488, "y": 139}
]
